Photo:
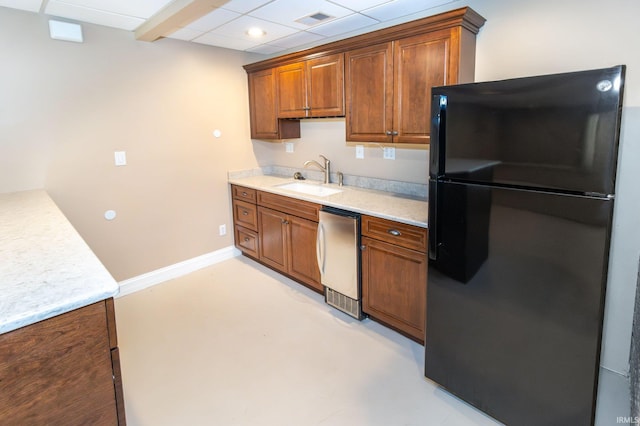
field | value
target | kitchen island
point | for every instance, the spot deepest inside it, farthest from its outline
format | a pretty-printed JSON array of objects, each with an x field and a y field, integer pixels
[{"x": 59, "y": 361}]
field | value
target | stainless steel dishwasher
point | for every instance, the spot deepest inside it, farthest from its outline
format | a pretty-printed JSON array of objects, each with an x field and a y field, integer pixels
[{"x": 338, "y": 250}]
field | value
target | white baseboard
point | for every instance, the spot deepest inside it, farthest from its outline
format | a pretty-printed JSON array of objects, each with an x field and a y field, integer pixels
[{"x": 176, "y": 270}]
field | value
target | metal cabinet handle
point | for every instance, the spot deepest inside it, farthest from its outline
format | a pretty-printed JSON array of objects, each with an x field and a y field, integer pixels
[
  {"x": 394, "y": 133},
  {"x": 284, "y": 222},
  {"x": 388, "y": 132},
  {"x": 244, "y": 194},
  {"x": 394, "y": 232},
  {"x": 245, "y": 213},
  {"x": 363, "y": 247},
  {"x": 246, "y": 239}
]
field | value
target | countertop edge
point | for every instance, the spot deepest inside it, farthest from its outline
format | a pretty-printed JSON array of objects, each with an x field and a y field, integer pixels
[{"x": 269, "y": 183}]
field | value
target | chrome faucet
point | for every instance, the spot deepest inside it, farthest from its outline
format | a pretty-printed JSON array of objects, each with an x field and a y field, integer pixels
[{"x": 326, "y": 169}]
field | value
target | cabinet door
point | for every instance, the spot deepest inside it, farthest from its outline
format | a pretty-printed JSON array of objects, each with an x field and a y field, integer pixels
[
  {"x": 369, "y": 93},
  {"x": 394, "y": 286},
  {"x": 303, "y": 264},
  {"x": 420, "y": 63},
  {"x": 272, "y": 227},
  {"x": 292, "y": 94},
  {"x": 325, "y": 86},
  {"x": 262, "y": 104},
  {"x": 59, "y": 371}
]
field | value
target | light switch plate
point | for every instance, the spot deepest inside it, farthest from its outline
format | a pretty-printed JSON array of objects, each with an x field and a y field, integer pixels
[
  {"x": 359, "y": 152},
  {"x": 120, "y": 158},
  {"x": 288, "y": 147}
]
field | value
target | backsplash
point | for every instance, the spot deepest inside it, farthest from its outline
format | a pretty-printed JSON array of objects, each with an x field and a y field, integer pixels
[{"x": 410, "y": 189}]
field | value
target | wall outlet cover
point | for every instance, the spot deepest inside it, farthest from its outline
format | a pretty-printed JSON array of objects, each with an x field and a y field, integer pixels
[
  {"x": 359, "y": 152},
  {"x": 288, "y": 147},
  {"x": 389, "y": 153}
]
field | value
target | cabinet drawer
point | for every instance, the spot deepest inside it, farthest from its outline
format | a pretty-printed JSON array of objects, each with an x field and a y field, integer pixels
[
  {"x": 244, "y": 194},
  {"x": 408, "y": 236},
  {"x": 246, "y": 240},
  {"x": 245, "y": 214},
  {"x": 300, "y": 208}
]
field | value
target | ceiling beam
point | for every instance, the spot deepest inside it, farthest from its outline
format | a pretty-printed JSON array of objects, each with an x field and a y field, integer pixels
[{"x": 175, "y": 15}]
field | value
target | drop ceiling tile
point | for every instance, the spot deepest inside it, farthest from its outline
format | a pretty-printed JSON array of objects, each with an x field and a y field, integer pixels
[
  {"x": 297, "y": 39},
  {"x": 186, "y": 34},
  {"x": 238, "y": 29},
  {"x": 399, "y": 8},
  {"x": 344, "y": 25},
  {"x": 134, "y": 8},
  {"x": 213, "y": 20},
  {"x": 244, "y": 6},
  {"x": 227, "y": 42},
  {"x": 285, "y": 12},
  {"x": 265, "y": 49},
  {"x": 65, "y": 10},
  {"x": 29, "y": 5},
  {"x": 358, "y": 5}
]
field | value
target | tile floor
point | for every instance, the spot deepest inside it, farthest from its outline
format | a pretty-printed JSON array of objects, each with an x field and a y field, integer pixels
[{"x": 238, "y": 344}]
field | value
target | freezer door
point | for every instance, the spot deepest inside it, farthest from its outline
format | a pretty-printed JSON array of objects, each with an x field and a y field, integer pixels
[
  {"x": 338, "y": 253},
  {"x": 515, "y": 302},
  {"x": 555, "y": 131}
]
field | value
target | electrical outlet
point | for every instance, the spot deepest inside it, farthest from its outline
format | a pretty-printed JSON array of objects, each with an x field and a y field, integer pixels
[
  {"x": 222, "y": 230},
  {"x": 359, "y": 152},
  {"x": 389, "y": 153},
  {"x": 288, "y": 147}
]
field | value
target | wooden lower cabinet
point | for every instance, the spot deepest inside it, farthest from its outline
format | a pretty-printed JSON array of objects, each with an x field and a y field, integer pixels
[
  {"x": 288, "y": 244},
  {"x": 303, "y": 262},
  {"x": 63, "y": 371},
  {"x": 394, "y": 278},
  {"x": 273, "y": 238}
]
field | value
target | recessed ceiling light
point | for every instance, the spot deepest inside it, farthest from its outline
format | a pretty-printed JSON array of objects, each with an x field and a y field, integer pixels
[{"x": 256, "y": 32}]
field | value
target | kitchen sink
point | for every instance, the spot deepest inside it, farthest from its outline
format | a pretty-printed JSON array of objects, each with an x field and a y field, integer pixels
[{"x": 316, "y": 189}]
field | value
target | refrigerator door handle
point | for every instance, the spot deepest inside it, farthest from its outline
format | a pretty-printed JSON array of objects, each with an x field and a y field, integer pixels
[
  {"x": 438, "y": 119},
  {"x": 320, "y": 248},
  {"x": 433, "y": 220}
]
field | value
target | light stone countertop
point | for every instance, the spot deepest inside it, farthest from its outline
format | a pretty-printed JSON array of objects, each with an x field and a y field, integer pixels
[
  {"x": 46, "y": 268},
  {"x": 374, "y": 203}
]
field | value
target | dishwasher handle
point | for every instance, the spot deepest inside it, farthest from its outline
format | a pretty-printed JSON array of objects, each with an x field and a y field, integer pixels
[{"x": 320, "y": 248}]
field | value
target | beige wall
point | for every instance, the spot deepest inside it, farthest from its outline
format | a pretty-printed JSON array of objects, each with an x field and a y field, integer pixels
[{"x": 66, "y": 107}]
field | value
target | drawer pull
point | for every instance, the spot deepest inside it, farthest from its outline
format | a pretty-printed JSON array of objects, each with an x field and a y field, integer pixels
[
  {"x": 246, "y": 239},
  {"x": 244, "y": 194},
  {"x": 394, "y": 232},
  {"x": 245, "y": 213}
]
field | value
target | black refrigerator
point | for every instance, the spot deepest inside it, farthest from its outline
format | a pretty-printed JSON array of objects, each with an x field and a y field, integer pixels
[{"x": 521, "y": 193}]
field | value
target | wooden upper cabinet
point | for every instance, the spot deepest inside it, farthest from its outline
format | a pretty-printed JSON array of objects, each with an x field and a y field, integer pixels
[
  {"x": 263, "y": 109},
  {"x": 292, "y": 91},
  {"x": 312, "y": 88},
  {"x": 420, "y": 63},
  {"x": 388, "y": 88},
  {"x": 369, "y": 93},
  {"x": 325, "y": 86},
  {"x": 384, "y": 77}
]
